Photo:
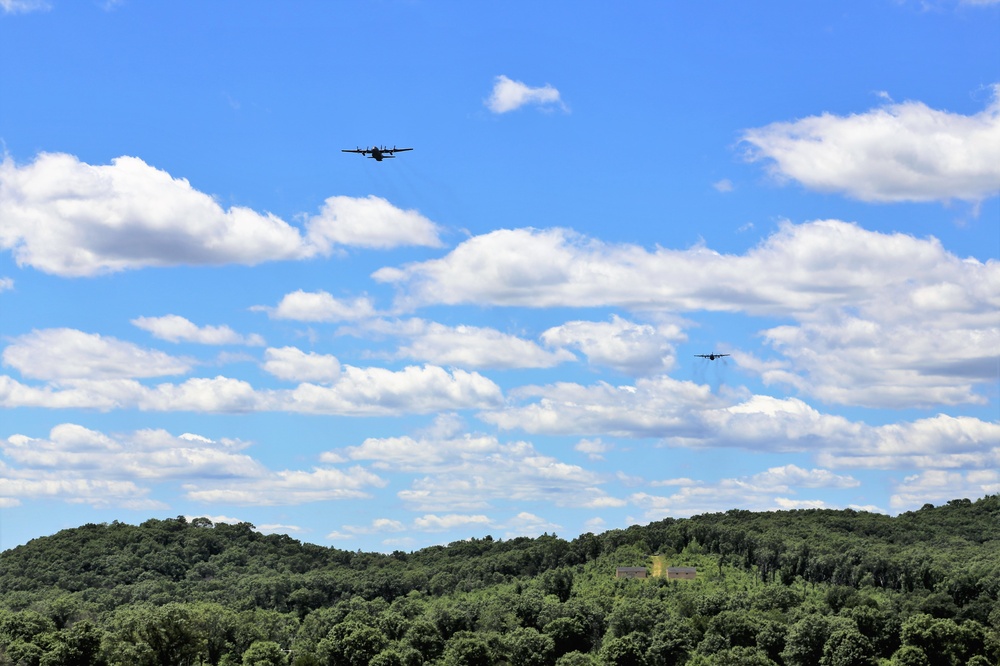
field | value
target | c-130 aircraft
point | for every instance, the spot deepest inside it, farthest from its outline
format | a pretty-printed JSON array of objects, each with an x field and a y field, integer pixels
[{"x": 379, "y": 154}]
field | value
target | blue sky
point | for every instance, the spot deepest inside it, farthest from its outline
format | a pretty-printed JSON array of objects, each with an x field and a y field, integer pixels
[{"x": 207, "y": 309}]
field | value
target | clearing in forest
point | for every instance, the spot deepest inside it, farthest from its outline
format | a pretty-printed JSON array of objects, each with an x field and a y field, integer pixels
[{"x": 659, "y": 566}]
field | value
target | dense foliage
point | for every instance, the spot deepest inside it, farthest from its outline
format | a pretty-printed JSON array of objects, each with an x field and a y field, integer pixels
[{"x": 807, "y": 587}]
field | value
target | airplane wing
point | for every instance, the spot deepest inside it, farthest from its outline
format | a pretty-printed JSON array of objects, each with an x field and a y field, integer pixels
[
  {"x": 702, "y": 355},
  {"x": 400, "y": 150},
  {"x": 355, "y": 150}
]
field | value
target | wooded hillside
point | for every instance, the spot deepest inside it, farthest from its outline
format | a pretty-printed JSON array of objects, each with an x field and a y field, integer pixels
[{"x": 800, "y": 587}]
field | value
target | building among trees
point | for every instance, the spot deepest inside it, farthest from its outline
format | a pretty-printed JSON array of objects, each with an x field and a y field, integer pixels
[
  {"x": 681, "y": 573},
  {"x": 630, "y": 572}
]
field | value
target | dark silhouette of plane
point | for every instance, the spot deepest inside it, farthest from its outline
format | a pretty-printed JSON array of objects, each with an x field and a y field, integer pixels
[
  {"x": 712, "y": 356},
  {"x": 379, "y": 154}
]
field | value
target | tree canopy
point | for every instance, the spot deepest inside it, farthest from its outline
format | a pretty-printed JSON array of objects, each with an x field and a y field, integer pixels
[{"x": 828, "y": 587}]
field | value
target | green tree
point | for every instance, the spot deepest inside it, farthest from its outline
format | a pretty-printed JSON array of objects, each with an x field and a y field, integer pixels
[
  {"x": 575, "y": 659},
  {"x": 568, "y": 635},
  {"x": 350, "y": 644},
  {"x": 154, "y": 636},
  {"x": 265, "y": 653},
  {"x": 80, "y": 645},
  {"x": 629, "y": 650},
  {"x": 910, "y": 655},
  {"x": 468, "y": 649},
  {"x": 424, "y": 637},
  {"x": 940, "y": 639},
  {"x": 741, "y": 656},
  {"x": 527, "y": 647},
  {"x": 848, "y": 647},
  {"x": 805, "y": 641}
]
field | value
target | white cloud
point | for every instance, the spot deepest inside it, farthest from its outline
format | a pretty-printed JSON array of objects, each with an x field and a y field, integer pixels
[
  {"x": 6, "y": 284},
  {"x": 509, "y": 95},
  {"x": 724, "y": 185},
  {"x": 145, "y": 454},
  {"x": 653, "y": 407},
  {"x": 765, "y": 491},
  {"x": 292, "y": 364},
  {"x": 594, "y": 448},
  {"x": 528, "y": 524},
  {"x": 371, "y": 222},
  {"x": 935, "y": 313},
  {"x": 69, "y": 218},
  {"x": 630, "y": 348},
  {"x": 66, "y": 354},
  {"x": 80, "y": 465},
  {"x": 175, "y": 328},
  {"x": 279, "y": 528},
  {"x": 357, "y": 392},
  {"x": 289, "y": 487},
  {"x": 471, "y": 472},
  {"x": 796, "y": 271},
  {"x": 319, "y": 306},
  {"x": 18, "y": 6},
  {"x": 942, "y": 441},
  {"x": 900, "y": 152},
  {"x": 378, "y": 391},
  {"x": 925, "y": 361},
  {"x": 689, "y": 415},
  {"x": 939, "y": 486},
  {"x": 434, "y": 523},
  {"x": 466, "y": 346}
]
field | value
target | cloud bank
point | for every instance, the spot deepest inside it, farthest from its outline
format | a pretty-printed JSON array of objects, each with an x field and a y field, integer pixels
[
  {"x": 68, "y": 218},
  {"x": 900, "y": 152}
]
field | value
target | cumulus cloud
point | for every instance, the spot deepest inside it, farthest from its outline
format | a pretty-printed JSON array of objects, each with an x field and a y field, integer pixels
[
  {"x": 357, "y": 392},
  {"x": 593, "y": 448},
  {"x": 653, "y": 407},
  {"x": 472, "y": 472},
  {"x": 289, "y": 487},
  {"x": 433, "y": 523},
  {"x": 74, "y": 463},
  {"x": 509, "y": 95},
  {"x": 292, "y": 364},
  {"x": 80, "y": 465},
  {"x": 689, "y": 415},
  {"x": 371, "y": 222},
  {"x": 319, "y": 306},
  {"x": 145, "y": 454},
  {"x": 465, "y": 346},
  {"x": 174, "y": 328},
  {"x": 934, "y": 311},
  {"x": 69, "y": 218},
  {"x": 899, "y": 152},
  {"x": 765, "y": 491},
  {"x": 68, "y": 354},
  {"x": 630, "y": 348},
  {"x": 942, "y": 442},
  {"x": 939, "y": 486},
  {"x": 528, "y": 524}
]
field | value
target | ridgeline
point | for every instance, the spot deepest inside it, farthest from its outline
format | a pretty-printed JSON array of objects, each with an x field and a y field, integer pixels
[{"x": 796, "y": 588}]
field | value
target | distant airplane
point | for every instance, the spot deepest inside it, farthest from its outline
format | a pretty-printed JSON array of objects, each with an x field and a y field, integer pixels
[
  {"x": 378, "y": 153},
  {"x": 712, "y": 356}
]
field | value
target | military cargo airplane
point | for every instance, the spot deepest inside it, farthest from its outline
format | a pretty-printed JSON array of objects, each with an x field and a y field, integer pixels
[
  {"x": 378, "y": 153},
  {"x": 712, "y": 356}
]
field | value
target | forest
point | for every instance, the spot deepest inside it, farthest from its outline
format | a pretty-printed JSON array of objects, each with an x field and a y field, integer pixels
[{"x": 794, "y": 588}]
